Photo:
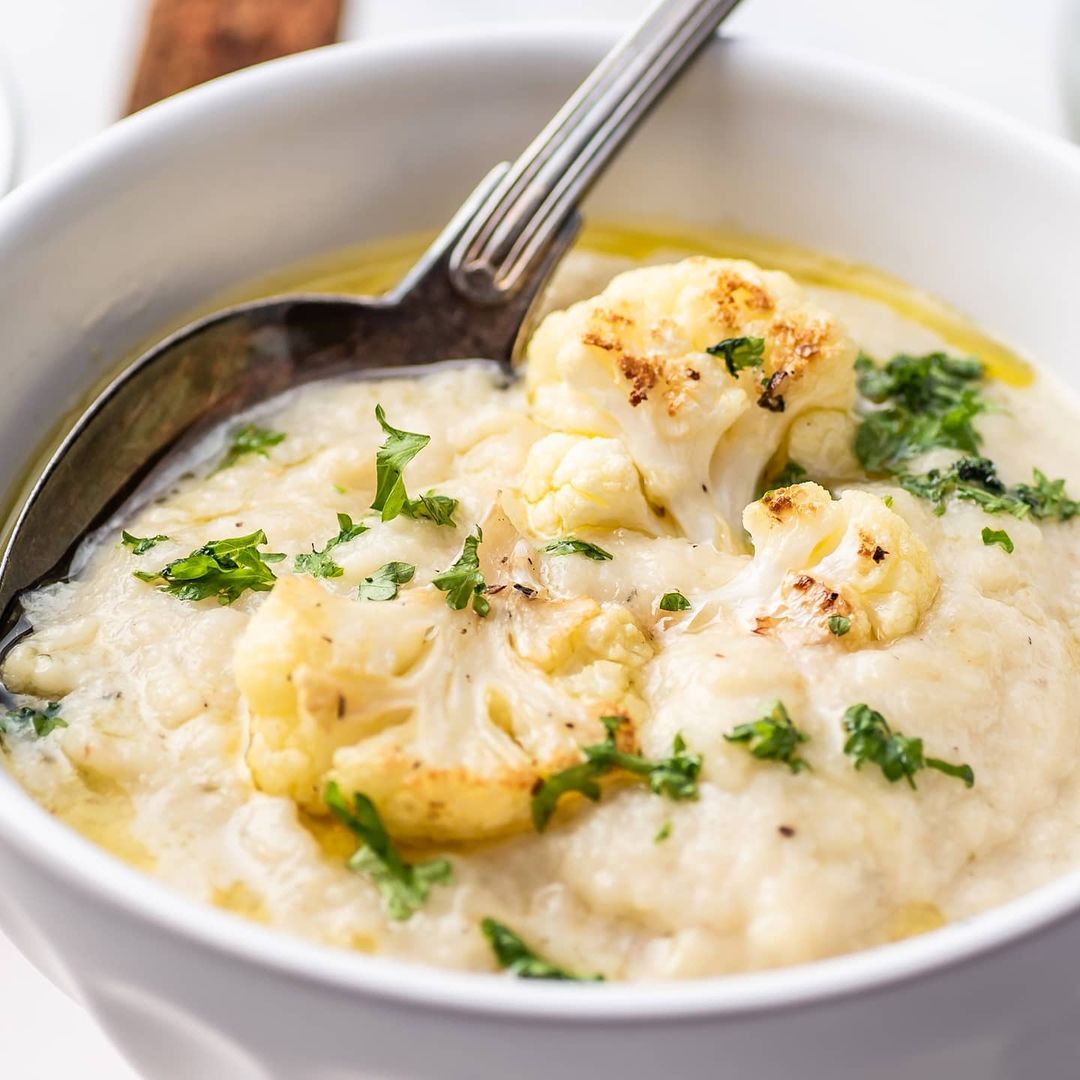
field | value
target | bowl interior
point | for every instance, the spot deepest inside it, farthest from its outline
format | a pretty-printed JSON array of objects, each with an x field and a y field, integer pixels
[{"x": 346, "y": 145}]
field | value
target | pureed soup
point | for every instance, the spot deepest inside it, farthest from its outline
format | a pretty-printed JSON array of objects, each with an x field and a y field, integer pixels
[{"x": 740, "y": 631}]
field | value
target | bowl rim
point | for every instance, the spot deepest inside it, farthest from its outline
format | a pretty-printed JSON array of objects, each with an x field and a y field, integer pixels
[{"x": 82, "y": 866}]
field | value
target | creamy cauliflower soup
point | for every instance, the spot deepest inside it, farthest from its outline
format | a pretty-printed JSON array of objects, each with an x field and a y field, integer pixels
[{"x": 740, "y": 631}]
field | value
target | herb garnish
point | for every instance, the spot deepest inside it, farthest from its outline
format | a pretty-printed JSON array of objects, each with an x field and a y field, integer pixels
[
  {"x": 404, "y": 886},
  {"x": 437, "y": 508},
  {"x": 318, "y": 563},
  {"x": 463, "y": 581},
  {"x": 570, "y": 545},
  {"x": 927, "y": 402},
  {"x": 839, "y": 625},
  {"x": 870, "y": 739},
  {"x": 140, "y": 545},
  {"x": 391, "y": 498},
  {"x": 390, "y": 461},
  {"x": 674, "y": 776},
  {"x": 250, "y": 439},
  {"x": 999, "y": 537},
  {"x": 773, "y": 737},
  {"x": 739, "y": 353},
  {"x": 42, "y": 721},
  {"x": 517, "y": 958},
  {"x": 674, "y": 601},
  {"x": 931, "y": 402},
  {"x": 976, "y": 480},
  {"x": 662, "y": 833},
  {"x": 383, "y": 584},
  {"x": 221, "y": 568}
]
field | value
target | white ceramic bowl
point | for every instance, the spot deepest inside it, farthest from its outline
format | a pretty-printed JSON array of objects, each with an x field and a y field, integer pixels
[{"x": 336, "y": 147}]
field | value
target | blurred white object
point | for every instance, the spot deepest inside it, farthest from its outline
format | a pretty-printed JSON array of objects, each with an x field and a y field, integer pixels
[
  {"x": 1069, "y": 64},
  {"x": 8, "y": 132}
]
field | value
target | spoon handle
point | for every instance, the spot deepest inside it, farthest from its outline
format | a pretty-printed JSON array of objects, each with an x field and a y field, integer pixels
[{"x": 507, "y": 238}]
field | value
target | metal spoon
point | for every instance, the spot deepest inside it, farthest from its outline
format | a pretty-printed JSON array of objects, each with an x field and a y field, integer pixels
[{"x": 469, "y": 297}]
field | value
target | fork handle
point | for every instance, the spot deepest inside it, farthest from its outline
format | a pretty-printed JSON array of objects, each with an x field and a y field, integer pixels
[{"x": 507, "y": 240}]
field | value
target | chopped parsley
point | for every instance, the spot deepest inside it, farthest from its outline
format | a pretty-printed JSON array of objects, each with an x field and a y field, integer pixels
[
  {"x": 1047, "y": 498},
  {"x": 250, "y": 439},
  {"x": 674, "y": 601},
  {"x": 773, "y": 737},
  {"x": 662, "y": 833},
  {"x": 839, "y": 625},
  {"x": 463, "y": 581},
  {"x": 870, "y": 739},
  {"x": 739, "y": 353},
  {"x": 927, "y": 402},
  {"x": 41, "y": 721},
  {"x": 931, "y": 402},
  {"x": 999, "y": 537},
  {"x": 383, "y": 584},
  {"x": 140, "y": 545},
  {"x": 404, "y": 886},
  {"x": 976, "y": 480},
  {"x": 223, "y": 569},
  {"x": 318, "y": 563},
  {"x": 437, "y": 508},
  {"x": 391, "y": 498},
  {"x": 570, "y": 545},
  {"x": 518, "y": 959},
  {"x": 675, "y": 776},
  {"x": 791, "y": 473}
]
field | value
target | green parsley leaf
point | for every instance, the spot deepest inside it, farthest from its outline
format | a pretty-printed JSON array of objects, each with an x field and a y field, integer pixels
[
  {"x": 383, "y": 584},
  {"x": 140, "y": 545},
  {"x": 1047, "y": 499},
  {"x": 662, "y": 833},
  {"x": 976, "y": 480},
  {"x": 221, "y": 568},
  {"x": 42, "y": 721},
  {"x": 739, "y": 353},
  {"x": 675, "y": 776},
  {"x": 250, "y": 439},
  {"x": 437, "y": 508},
  {"x": 674, "y": 601},
  {"x": 318, "y": 563},
  {"x": 570, "y": 545},
  {"x": 870, "y": 739},
  {"x": 928, "y": 402},
  {"x": 839, "y": 624},
  {"x": 773, "y": 738},
  {"x": 404, "y": 886},
  {"x": 999, "y": 537},
  {"x": 390, "y": 461},
  {"x": 463, "y": 581},
  {"x": 791, "y": 473},
  {"x": 517, "y": 958}
]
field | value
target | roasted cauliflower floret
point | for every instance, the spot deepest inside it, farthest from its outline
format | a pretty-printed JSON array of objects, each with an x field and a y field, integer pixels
[
  {"x": 446, "y": 720},
  {"x": 822, "y": 442},
  {"x": 851, "y": 560},
  {"x": 634, "y": 364},
  {"x": 576, "y": 482}
]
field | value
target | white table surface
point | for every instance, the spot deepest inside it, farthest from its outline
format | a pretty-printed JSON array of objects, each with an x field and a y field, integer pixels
[{"x": 70, "y": 61}]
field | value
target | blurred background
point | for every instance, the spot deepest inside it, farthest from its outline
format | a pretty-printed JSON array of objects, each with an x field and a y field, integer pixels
[{"x": 69, "y": 68}]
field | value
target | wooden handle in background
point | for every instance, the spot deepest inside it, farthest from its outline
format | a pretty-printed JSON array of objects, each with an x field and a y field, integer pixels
[{"x": 190, "y": 41}]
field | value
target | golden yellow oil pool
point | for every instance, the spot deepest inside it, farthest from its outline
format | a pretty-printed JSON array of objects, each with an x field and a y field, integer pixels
[{"x": 373, "y": 268}]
